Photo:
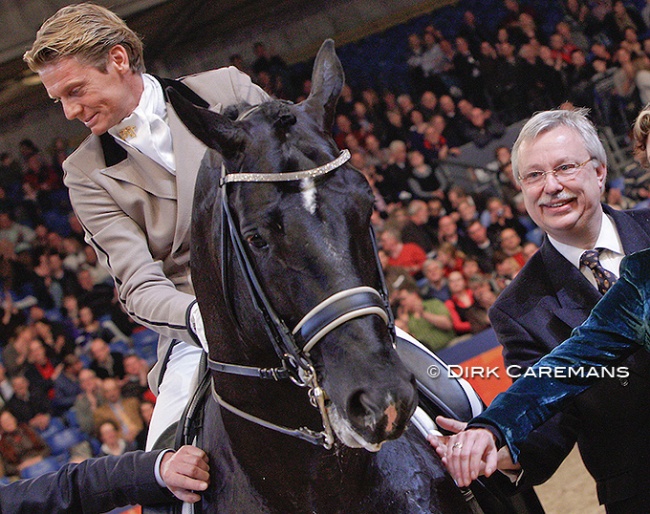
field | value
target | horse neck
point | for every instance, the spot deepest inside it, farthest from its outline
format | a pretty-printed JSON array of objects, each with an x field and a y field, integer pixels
[{"x": 293, "y": 475}]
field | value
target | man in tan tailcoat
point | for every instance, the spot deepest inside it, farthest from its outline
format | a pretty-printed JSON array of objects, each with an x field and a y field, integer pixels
[{"x": 132, "y": 180}]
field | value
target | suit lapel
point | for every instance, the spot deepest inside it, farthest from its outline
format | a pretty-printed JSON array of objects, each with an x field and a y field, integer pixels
[
  {"x": 633, "y": 237},
  {"x": 573, "y": 291},
  {"x": 143, "y": 172},
  {"x": 188, "y": 154}
]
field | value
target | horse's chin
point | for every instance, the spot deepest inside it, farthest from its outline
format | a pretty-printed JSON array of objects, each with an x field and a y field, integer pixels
[{"x": 347, "y": 435}]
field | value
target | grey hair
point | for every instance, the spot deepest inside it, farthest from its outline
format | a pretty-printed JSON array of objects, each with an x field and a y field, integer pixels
[{"x": 575, "y": 119}]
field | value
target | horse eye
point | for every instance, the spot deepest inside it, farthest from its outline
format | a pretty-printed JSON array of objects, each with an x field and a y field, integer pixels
[{"x": 256, "y": 240}]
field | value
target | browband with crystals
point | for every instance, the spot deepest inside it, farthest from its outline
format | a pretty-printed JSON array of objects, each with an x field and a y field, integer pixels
[{"x": 226, "y": 178}]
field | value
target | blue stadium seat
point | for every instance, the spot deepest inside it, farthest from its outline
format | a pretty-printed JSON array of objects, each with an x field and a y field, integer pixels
[
  {"x": 47, "y": 465},
  {"x": 56, "y": 425},
  {"x": 145, "y": 344},
  {"x": 121, "y": 347},
  {"x": 71, "y": 418},
  {"x": 62, "y": 441}
]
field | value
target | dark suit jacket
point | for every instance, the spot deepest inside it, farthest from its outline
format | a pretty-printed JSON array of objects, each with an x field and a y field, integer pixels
[
  {"x": 118, "y": 367},
  {"x": 95, "y": 485},
  {"x": 536, "y": 312}
]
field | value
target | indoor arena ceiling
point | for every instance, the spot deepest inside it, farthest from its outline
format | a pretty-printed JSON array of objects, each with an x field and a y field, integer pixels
[{"x": 164, "y": 25}]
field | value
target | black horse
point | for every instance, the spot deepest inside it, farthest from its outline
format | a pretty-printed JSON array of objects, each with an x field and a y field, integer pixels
[{"x": 308, "y": 402}]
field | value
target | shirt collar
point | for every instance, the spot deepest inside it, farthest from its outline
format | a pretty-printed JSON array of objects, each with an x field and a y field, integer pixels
[
  {"x": 151, "y": 105},
  {"x": 607, "y": 238}
]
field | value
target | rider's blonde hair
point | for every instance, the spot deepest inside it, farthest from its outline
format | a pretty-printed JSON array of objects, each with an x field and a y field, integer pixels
[{"x": 87, "y": 32}]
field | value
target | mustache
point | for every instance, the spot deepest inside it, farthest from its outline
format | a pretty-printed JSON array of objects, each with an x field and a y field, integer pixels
[{"x": 559, "y": 197}]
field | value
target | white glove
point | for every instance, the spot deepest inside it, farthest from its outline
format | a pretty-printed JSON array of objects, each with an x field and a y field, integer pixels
[{"x": 196, "y": 327}]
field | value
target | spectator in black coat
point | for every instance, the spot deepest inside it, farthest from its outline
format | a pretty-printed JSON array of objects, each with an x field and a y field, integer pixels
[
  {"x": 29, "y": 406},
  {"x": 468, "y": 71},
  {"x": 620, "y": 18},
  {"x": 484, "y": 127},
  {"x": 106, "y": 363},
  {"x": 474, "y": 33}
]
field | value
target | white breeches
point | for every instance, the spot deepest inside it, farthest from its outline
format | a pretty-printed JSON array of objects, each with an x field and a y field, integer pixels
[{"x": 178, "y": 383}]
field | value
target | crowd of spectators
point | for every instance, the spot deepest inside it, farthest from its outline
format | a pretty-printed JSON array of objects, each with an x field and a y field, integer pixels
[
  {"x": 72, "y": 373},
  {"x": 72, "y": 367},
  {"x": 447, "y": 252}
]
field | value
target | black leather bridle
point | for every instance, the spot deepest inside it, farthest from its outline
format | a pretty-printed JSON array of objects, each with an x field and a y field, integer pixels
[{"x": 293, "y": 346}]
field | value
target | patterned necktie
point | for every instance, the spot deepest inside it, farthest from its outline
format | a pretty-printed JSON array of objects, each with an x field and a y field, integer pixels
[{"x": 604, "y": 278}]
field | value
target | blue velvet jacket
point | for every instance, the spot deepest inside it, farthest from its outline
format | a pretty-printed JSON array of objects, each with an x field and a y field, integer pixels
[{"x": 616, "y": 326}]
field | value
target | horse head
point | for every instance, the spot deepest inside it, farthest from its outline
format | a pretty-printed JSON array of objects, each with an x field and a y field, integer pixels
[{"x": 307, "y": 241}]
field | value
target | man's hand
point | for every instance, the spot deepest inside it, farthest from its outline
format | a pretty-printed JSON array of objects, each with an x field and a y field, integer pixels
[
  {"x": 450, "y": 425},
  {"x": 185, "y": 471},
  {"x": 504, "y": 459},
  {"x": 468, "y": 454}
]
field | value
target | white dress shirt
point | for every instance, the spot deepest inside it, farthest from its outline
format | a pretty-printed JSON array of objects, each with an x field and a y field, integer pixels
[
  {"x": 146, "y": 129},
  {"x": 610, "y": 257}
]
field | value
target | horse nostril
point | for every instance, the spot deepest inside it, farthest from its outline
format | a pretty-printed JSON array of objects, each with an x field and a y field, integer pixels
[{"x": 362, "y": 410}]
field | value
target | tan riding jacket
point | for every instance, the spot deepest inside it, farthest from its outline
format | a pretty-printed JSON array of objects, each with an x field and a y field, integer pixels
[{"x": 137, "y": 215}]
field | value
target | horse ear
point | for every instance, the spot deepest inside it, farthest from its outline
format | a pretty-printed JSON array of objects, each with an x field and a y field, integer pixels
[
  {"x": 213, "y": 129},
  {"x": 327, "y": 82}
]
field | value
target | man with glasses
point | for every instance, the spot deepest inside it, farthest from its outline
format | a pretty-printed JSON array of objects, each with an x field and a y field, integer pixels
[{"x": 561, "y": 166}]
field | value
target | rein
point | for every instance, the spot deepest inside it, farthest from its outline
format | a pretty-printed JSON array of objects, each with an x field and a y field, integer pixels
[{"x": 293, "y": 346}]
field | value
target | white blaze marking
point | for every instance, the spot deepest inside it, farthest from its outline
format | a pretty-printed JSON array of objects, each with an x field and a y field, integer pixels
[{"x": 308, "y": 194}]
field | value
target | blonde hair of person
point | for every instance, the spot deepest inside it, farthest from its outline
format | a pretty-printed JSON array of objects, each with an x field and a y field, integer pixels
[
  {"x": 640, "y": 134},
  {"x": 85, "y": 31}
]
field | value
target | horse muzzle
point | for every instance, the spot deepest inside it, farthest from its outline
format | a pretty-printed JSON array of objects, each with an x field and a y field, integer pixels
[{"x": 373, "y": 416}]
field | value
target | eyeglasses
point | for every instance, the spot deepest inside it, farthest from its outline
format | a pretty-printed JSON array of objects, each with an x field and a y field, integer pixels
[{"x": 563, "y": 171}]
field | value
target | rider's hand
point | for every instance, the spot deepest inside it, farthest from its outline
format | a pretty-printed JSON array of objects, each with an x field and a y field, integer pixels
[{"x": 185, "y": 471}]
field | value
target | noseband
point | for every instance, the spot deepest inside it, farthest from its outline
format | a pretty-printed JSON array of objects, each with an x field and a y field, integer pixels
[{"x": 293, "y": 346}]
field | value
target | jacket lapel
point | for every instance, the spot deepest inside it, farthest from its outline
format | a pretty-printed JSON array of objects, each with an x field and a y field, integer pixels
[
  {"x": 141, "y": 171},
  {"x": 188, "y": 154},
  {"x": 633, "y": 237},
  {"x": 573, "y": 291}
]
